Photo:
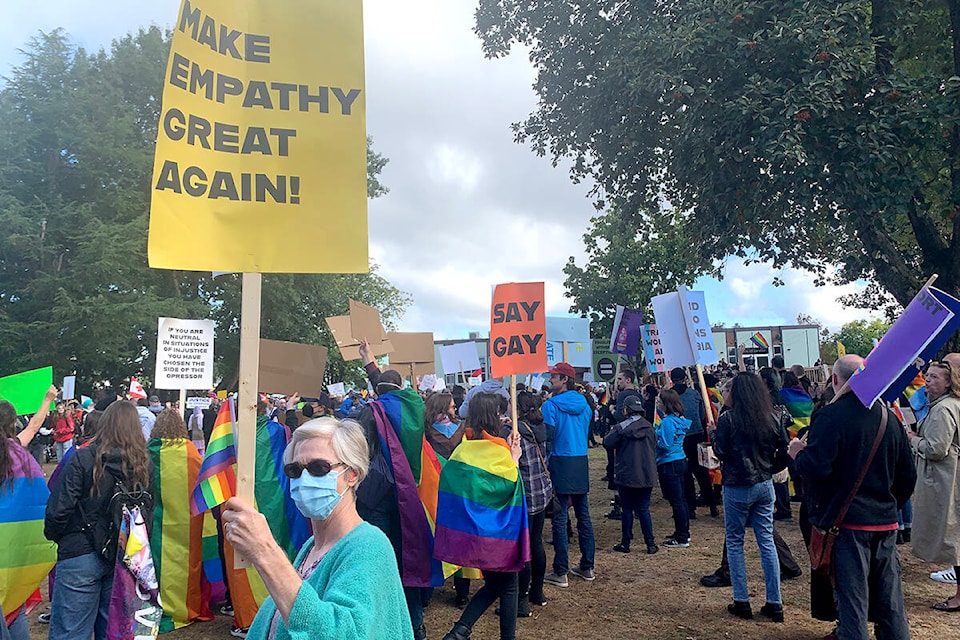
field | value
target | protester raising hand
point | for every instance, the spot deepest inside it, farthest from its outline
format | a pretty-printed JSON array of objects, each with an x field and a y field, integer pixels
[{"x": 38, "y": 418}]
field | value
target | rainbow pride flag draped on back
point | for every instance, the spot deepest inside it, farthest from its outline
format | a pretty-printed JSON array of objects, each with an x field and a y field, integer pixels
[
  {"x": 217, "y": 481},
  {"x": 416, "y": 474},
  {"x": 800, "y": 405},
  {"x": 271, "y": 493},
  {"x": 482, "y": 511},
  {"x": 26, "y": 556},
  {"x": 177, "y": 533}
]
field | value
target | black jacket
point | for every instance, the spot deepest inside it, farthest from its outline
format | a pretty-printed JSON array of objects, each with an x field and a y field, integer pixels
[
  {"x": 635, "y": 443},
  {"x": 73, "y": 511},
  {"x": 748, "y": 458},
  {"x": 838, "y": 442}
]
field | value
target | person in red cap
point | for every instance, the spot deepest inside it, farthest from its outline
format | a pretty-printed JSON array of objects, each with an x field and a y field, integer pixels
[{"x": 567, "y": 415}]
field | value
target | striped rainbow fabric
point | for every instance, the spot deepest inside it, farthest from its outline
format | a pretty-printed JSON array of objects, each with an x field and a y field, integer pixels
[
  {"x": 481, "y": 509},
  {"x": 26, "y": 556},
  {"x": 176, "y": 542},
  {"x": 759, "y": 341},
  {"x": 800, "y": 405},
  {"x": 217, "y": 481}
]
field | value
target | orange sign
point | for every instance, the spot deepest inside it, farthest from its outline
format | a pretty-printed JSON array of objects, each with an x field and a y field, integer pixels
[{"x": 518, "y": 329}]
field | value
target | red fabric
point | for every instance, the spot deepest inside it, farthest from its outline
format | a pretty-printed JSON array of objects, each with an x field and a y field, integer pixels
[
  {"x": 871, "y": 527},
  {"x": 63, "y": 429}
]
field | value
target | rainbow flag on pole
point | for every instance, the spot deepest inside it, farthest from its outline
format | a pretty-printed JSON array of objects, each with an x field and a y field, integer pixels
[
  {"x": 482, "y": 510},
  {"x": 759, "y": 341},
  {"x": 26, "y": 556},
  {"x": 217, "y": 481}
]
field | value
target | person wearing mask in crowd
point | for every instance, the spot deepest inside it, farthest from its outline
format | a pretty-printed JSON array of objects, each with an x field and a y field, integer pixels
[
  {"x": 155, "y": 407},
  {"x": 567, "y": 416},
  {"x": 500, "y": 574},
  {"x": 634, "y": 443},
  {"x": 936, "y": 445},
  {"x": 751, "y": 444},
  {"x": 695, "y": 412},
  {"x": 672, "y": 464},
  {"x": 865, "y": 562},
  {"x": 344, "y": 583},
  {"x": 79, "y": 517},
  {"x": 64, "y": 430},
  {"x": 539, "y": 490},
  {"x": 440, "y": 426}
]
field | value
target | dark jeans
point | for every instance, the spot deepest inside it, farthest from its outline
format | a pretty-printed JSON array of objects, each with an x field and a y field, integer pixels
[
  {"x": 414, "y": 597},
  {"x": 671, "y": 476},
  {"x": 694, "y": 470},
  {"x": 867, "y": 568},
  {"x": 634, "y": 500},
  {"x": 781, "y": 504},
  {"x": 461, "y": 587},
  {"x": 530, "y": 581},
  {"x": 561, "y": 560},
  {"x": 495, "y": 585}
]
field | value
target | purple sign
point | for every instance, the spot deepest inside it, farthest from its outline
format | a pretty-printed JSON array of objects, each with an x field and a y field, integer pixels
[
  {"x": 625, "y": 338},
  {"x": 923, "y": 328}
]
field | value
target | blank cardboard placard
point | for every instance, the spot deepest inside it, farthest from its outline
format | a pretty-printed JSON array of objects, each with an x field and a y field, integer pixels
[
  {"x": 340, "y": 327},
  {"x": 459, "y": 357},
  {"x": 288, "y": 367},
  {"x": 411, "y": 346},
  {"x": 365, "y": 323}
]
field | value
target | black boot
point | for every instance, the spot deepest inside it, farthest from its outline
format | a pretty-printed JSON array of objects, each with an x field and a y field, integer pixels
[
  {"x": 420, "y": 633},
  {"x": 459, "y": 632}
]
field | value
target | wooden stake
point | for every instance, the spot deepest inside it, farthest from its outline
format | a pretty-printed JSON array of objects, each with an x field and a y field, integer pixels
[
  {"x": 513, "y": 404},
  {"x": 247, "y": 402},
  {"x": 565, "y": 359},
  {"x": 183, "y": 401},
  {"x": 706, "y": 397}
]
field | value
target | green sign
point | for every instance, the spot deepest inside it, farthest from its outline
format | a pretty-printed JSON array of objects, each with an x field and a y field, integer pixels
[{"x": 25, "y": 390}]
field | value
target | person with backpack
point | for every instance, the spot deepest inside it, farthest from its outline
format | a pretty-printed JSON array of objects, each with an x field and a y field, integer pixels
[{"x": 83, "y": 518}]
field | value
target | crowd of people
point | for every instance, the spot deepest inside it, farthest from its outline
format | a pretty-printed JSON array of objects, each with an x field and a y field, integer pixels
[{"x": 400, "y": 490}]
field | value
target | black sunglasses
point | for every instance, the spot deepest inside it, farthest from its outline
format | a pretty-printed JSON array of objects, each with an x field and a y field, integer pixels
[{"x": 317, "y": 468}]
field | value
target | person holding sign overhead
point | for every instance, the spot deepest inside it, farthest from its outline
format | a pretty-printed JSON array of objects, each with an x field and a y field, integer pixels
[{"x": 567, "y": 414}]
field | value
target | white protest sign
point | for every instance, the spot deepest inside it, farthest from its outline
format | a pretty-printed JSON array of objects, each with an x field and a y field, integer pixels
[
  {"x": 462, "y": 356},
  {"x": 652, "y": 349},
  {"x": 198, "y": 402},
  {"x": 475, "y": 382},
  {"x": 69, "y": 387},
  {"x": 428, "y": 382},
  {"x": 337, "y": 389},
  {"x": 440, "y": 385},
  {"x": 566, "y": 329},
  {"x": 579, "y": 354},
  {"x": 684, "y": 328},
  {"x": 694, "y": 305},
  {"x": 184, "y": 354}
]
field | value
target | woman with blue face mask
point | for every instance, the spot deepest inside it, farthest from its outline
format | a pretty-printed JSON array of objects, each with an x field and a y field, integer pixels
[{"x": 344, "y": 582}]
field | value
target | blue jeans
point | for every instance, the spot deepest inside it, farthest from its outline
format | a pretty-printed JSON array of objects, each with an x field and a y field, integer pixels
[
  {"x": 81, "y": 598},
  {"x": 672, "y": 477},
  {"x": 751, "y": 506},
  {"x": 18, "y": 629},
  {"x": 561, "y": 562},
  {"x": 62, "y": 448}
]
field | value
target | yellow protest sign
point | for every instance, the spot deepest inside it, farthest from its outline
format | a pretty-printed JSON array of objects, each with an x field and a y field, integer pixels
[{"x": 262, "y": 139}]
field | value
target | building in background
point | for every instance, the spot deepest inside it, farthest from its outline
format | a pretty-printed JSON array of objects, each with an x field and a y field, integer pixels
[{"x": 798, "y": 343}]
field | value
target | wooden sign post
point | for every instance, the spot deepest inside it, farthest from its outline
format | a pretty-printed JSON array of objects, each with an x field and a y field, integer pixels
[{"x": 247, "y": 402}]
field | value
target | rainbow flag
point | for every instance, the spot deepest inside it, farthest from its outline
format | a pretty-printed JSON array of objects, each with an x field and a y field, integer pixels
[
  {"x": 482, "y": 510},
  {"x": 26, "y": 556},
  {"x": 217, "y": 481},
  {"x": 800, "y": 405},
  {"x": 176, "y": 542},
  {"x": 759, "y": 341},
  {"x": 399, "y": 418}
]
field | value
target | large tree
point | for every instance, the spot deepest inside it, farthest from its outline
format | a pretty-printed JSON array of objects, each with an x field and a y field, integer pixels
[
  {"x": 811, "y": 134},
  {"x": 77, "y": 134}
]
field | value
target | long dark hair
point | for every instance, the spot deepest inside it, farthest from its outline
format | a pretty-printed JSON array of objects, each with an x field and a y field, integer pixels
[
  {"x": 8, "y": 427},
  {"x": 751, "y": 405},
  {"x": 528, "y": 407},
  {"x": 120, "y": 432},
  {"x": 434, "y": 405},
  {"x": 484, "y": 415}
]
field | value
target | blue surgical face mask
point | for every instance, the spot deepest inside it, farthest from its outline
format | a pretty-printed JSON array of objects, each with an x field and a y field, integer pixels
[{"x": 316, "y": 497}]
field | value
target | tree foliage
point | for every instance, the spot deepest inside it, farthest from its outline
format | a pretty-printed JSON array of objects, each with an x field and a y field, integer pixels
[
  {"x": 857, "y": 337},
  {"x": 809, "y": 134},
  {"x": 77, "y": 134}
]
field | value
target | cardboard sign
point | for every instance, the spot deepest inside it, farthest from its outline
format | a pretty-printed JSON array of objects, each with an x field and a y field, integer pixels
[
  {"x": 652, "y": 349},
  {"x": 69, "y": 388},
  {"x": 337, "y": 389},
  {"x": 198, "y": 402},
  {"x": 684, "y": 328},
  {"x": 365, "y": 323},
  {"x": 25, "y": 391},
  {"x": 462, "y": 356},
  {"x": 518, "y": 329},
  {"x": 362, "y": 323},
  {"x": 625, "y": 337},
  {"x": 221, "y": 395},
  {"x": 917, "y": 335},
  {"x": 411, "y": 347},
  {"x": 262, "y": 138},
  {"x": 184, "y": 354},
  {"x": 288, "y": 367}
]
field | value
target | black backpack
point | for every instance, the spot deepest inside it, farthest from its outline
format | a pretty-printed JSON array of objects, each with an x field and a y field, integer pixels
[{"x": 105, "y": 532}]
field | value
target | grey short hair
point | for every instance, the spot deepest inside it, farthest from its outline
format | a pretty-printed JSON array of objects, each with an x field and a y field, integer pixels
[
  {"x": 346, "y": 438},
  {"x": 846, "y": 367}
]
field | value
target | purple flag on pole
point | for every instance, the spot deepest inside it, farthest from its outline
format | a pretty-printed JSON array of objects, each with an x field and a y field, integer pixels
[
  {"x": 923, "y": 328},
  {"x": 625, "y": 338}
]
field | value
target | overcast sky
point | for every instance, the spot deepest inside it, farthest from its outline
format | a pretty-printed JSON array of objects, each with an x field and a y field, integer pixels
[{"x": 467, "y": 208}]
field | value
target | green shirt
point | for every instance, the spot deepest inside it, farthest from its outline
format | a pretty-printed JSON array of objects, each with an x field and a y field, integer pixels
[{"x": 353, "y": 594}]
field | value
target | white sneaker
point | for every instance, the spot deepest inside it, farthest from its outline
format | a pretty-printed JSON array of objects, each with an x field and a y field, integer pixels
[{"x": 947, "y": 576}]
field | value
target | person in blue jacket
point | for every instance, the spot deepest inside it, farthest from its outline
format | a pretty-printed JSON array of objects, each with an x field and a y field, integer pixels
[
  {"x": 672, "y": 464},
  {"x": 567, "y": 416}
]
